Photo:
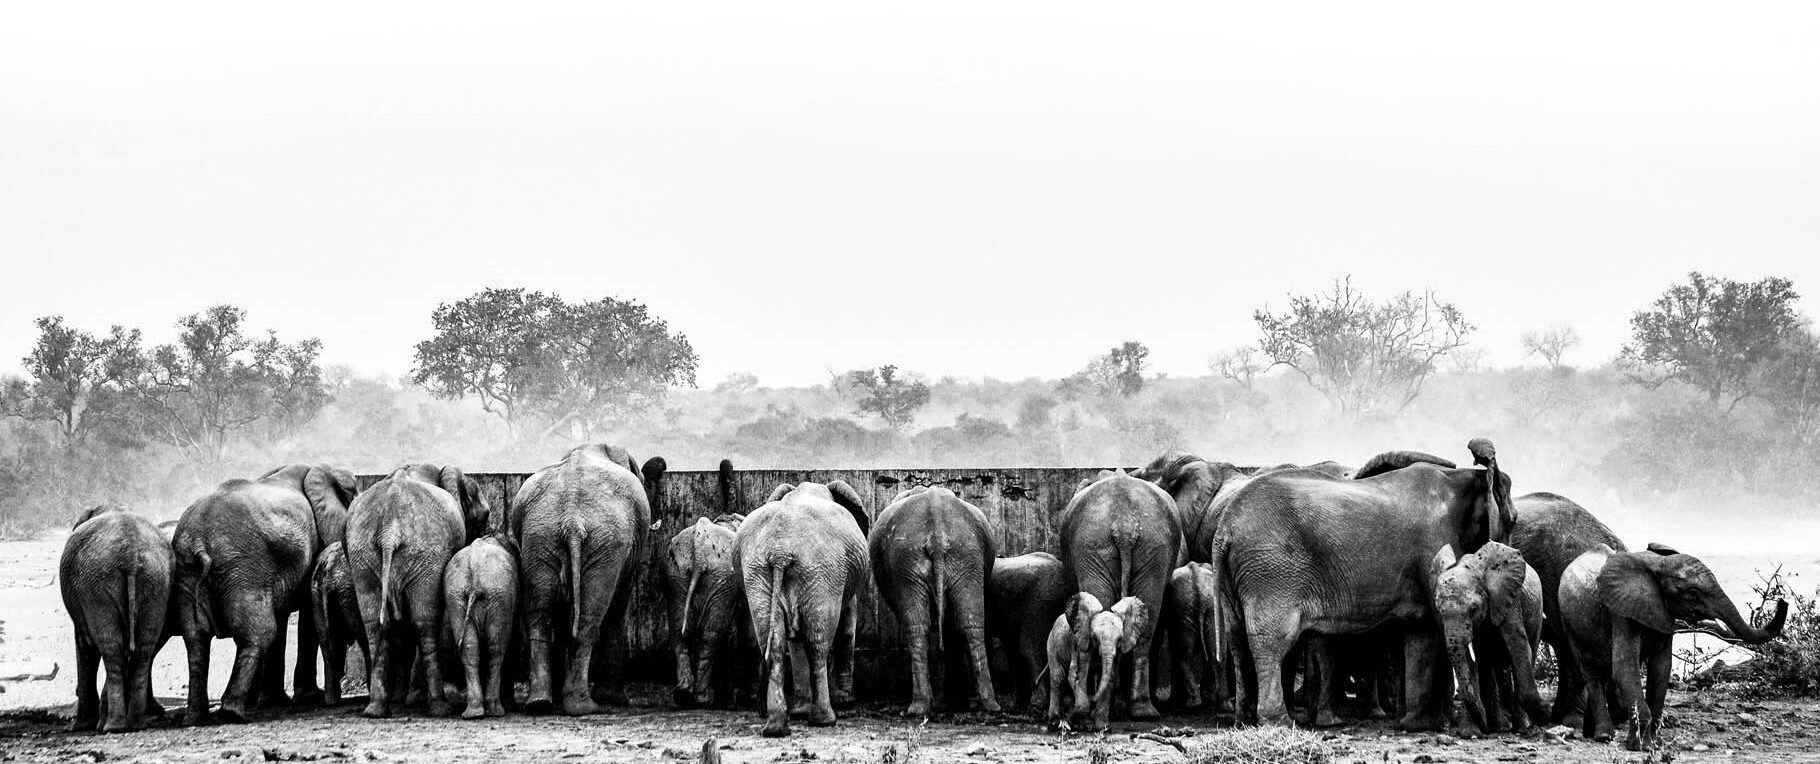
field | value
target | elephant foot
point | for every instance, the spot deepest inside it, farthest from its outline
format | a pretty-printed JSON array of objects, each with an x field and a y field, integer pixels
[
  {"x": 495, "y": 708},
  {"x": 473, "y": 712},
  {"x": 917, "y": 708},
  {"x": 1143, "y": 710},
  {"x": 440, "y": 707},
  {"x": 308, "y": 697},
  {"x": 610, "y": 697},
  {"x": 801, "y": 709},
  {"x": 376, "y": 709},
  {"x": 1602, "y": 736},
  {"x": 840, "y": 698},
  {"x": 1375, "y": 711},
  {"x": 85, "y": 724},
  {"x": 1324, "y": 717},
  {"x": 193, "y": 718},
  {"x": 580, "y": 706},
  {"x": 822, "y": 717},
  {"x": 331, "y": 697},
  {"x": 538, "y": 704},
  {"x": 153, "y": 708},
  {"x": 121, "y": 725},
  {"x": 230, "y": 714},
  {"x": 988, "y": 705},
  {"x": 776, "y": 728}
]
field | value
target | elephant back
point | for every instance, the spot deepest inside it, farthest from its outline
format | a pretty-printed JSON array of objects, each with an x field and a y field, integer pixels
[{"x": 1552, "y": 531}]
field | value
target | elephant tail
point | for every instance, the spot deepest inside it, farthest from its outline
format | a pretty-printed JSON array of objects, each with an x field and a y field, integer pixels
[
  {"x": 689, "y": 602},
  {"x": 1221, "y": 599},
  {"x": 938, "y": 593},
  {"x": 200, "y": 610},
  {"x": 1203, "y": 640},
  {"x": 386, "y": 547},
  {"x": 131, "y": 598},
  {"x": 577, "y": 542},
  {"x": 467, "y": 615},
  {"x": 780, "y": 614}
]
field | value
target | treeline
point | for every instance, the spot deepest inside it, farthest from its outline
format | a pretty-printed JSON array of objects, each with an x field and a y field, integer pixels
[{"x": 1715, "y": 401}]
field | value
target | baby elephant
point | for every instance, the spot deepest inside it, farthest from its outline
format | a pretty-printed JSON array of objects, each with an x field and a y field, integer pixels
[
  {"x": 480, "y": 595},
  {"x": 338, "y": 625},
  {"x": 1491, "y": 601},
  {"x": 1080, "y": 633},
  {"x": 1189, "y": 618},
  {"x": 116, "y": 573}
]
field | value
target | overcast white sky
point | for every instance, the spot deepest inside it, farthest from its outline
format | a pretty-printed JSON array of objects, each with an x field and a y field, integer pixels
[{"x": 979, "y": 189}]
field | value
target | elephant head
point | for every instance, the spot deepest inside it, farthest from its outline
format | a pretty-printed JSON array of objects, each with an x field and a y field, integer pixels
[
  {"x": 330, "y": 490},
  {"x": 653, "y": 473},
  {"x": 1484, "y": 588},
  {"x": 1193, "y": 483},
  {"x": 1136, "y": 618},
  {"x": 1656, "y": 587},
  {"x": 478, "y": 514}
]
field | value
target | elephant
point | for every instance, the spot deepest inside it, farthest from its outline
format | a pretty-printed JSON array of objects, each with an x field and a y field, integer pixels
[
  {"x": 337, "y": 616},
  {"x": 1120, "y": 537},
  {"x": 1490, "y": 606},
  {"x": 1200, "y": 489},
  {"x": 707, "y": 613},
  {"x": 803, "y": 563},
  {"x": 115, "y": 574},
  {"x": 1190, "y": 618},
  {"x": 1090, "y": 633},
  {"x": 1024, "y": 596},
  {"x": 932, "y": 556},
  {"x": 1552, "y": 531},
  {"x": 479, "y": 603},
  {"x": 1619, "y": 608},
  {"x": 1301, "y": 552},
  {"x": 245, "y": 554},
  {"x": 399, "y": 537},
  {"x": 580, "y": 526}
]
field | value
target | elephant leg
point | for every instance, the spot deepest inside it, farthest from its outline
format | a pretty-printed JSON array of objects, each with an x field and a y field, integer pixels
[
  {"x": 1271, "y": 644},
  {"x": 1661, "y": 662},
  {"x": 1421, "y": 653},
  {"x": 700, "y": 669},
  {"x": 1246, "y": 679},
  {"x": 1570, "y": 686},
  {"x": 1142, "y": 707},
  {"x": 777, "y": 711},
  {"x": 842, "y": 693},
  {"x": 334, "y": 667},
  {"x": 802, "y": 694},
  {"x": 1627, "y": 665},
  {"x": 609, "y": 678},
  {"x": 429, "y": 650},
  {"x": 1319, "y": 681},
  {"x": 499, "y": 687},
  {"x": 577, "y": 692},
  {"x": 270, "y": 689},
  {"x": 818, "y": 646},
  {"x": 475, "y": 705},
  {"x": 196, "y": 708},
  {"x": 984, "y": 696},
  {"x": 380, "y": 675},
  {"x": 88, "y": 697},
  {"x": 1034, "y": 688},
  {"x": 113, "y": 690},
  {"x": 686, "y": 692},
  {"x": 304, "y": 690},
  {"x": 1490, "y": 686},
  {"x": 138, "y": 688},
  {"x": 1523, "y": 680}
]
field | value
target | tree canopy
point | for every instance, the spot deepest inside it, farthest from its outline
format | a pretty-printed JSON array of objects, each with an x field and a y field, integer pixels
[
  {"x": 882, "y": 392},
  {"x": 1360, "y": 353},
  {"x": 534, "y": 360},
  {"x": 1713, "y": 333}
]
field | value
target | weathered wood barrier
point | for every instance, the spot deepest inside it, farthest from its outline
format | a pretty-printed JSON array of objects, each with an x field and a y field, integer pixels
[{"x": 1018, "y": 504}]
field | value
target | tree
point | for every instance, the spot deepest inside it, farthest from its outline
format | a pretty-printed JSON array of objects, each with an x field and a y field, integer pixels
[
  {"x": 1359, "y": 353},
  {"x": 1713, "y": 333},
  {"x": 530, "y": 357},
  {"x": 1034, "y": 412},
  {"x": 738, "y": 383},
  {"x": 216, "y": 382},
  {"x": 1119, "y": 372},
  {"x": 1241, "y": 364},
  {"x": 77, "y": 381},
  {"x": 1550, "y": 344},
  {"x": 892, "y": 398}
]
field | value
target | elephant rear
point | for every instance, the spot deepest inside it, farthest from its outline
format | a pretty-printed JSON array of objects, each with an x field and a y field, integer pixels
[
  {"x": 480, "y": 600},
  {"x": 116, "y": 572},
  {"x": 932, "y": 555}
]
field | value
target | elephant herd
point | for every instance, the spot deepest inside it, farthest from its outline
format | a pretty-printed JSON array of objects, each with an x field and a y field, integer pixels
[{"x": 1401, "y": 587}]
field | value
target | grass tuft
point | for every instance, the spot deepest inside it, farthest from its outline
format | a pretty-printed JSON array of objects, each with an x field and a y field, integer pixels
[{"x": 1258, "y": 745}]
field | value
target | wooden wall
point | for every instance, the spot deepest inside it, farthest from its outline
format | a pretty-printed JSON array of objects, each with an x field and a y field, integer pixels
[{"x": 1017, "y": 502}]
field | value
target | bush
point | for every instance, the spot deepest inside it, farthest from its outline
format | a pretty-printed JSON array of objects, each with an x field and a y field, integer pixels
[{"x": 1790, "y": 664}]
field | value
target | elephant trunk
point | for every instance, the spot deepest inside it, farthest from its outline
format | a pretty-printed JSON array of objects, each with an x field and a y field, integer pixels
[
  {"x": 1741, "y": 627},
  {"x": 1466, "y": 678}
]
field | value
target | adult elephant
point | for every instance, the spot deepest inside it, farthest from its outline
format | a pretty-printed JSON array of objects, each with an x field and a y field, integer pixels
[
  {"x": 1199, "y": 488},
  {"x": 803, "y": 563},
  {"x": 580, "y": 525},
  {"x": 116, "y": 573},
  {"x": 1620, "y": 608},
  {"x": 244, "y": 557},
  {"x": 1024, "y": 596},
  {"x": 1551, "y": 532},
  {"x": 1120, "y": 537},
  {"x": 932, "y": 557},
  {"x": 400, "y": 535},
  {"x": 1299, "y": 551}
]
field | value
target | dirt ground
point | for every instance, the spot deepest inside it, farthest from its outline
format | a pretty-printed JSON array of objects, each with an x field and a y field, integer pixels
[{"x": 1705, "y": 726}]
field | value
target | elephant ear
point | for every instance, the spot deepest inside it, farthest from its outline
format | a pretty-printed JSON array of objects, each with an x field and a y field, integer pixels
[
  {"x": 329, "y": 499},
  {"x": 1662, "y": 549},
  {"x": 778, "y": 493},
  {"x": 1082, "y": 607},
  {"x": 653, "y": 473},
  {"x": 476, "y": 513},
  {"x": 1628, "y": 585},
  {"x": 1505, "y": 572},
  {"x": 98, "y": 509},
  {"x": 848, "y": 499},
  {"x": 1136, "y": 615},
  {"x": 1390, "y": 461},
  {"x": 1443, "y": 559}
]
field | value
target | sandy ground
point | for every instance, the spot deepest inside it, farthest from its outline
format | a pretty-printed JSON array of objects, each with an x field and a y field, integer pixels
[{"x": 33, "y": 713}]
